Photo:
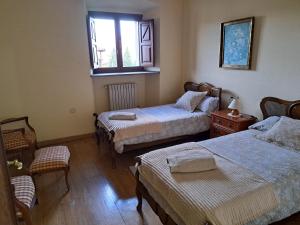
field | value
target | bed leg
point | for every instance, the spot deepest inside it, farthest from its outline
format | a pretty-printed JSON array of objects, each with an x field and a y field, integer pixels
[
  {"x": 138, "y": 193},
  {"x": 140, "y": 200},
  {"x": 97, "y": 127},
  {"x": 139, "y": 197}
]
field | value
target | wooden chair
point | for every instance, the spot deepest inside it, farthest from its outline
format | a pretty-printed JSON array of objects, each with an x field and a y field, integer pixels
[
  {"x": 24, "y": 197},
  {"x": 45, "y": 160},
  {"x": 18, "y": 140}
]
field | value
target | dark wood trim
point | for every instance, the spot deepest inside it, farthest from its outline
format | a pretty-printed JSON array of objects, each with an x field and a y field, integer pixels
[
  {"x": 289, "y": 107},
  {"x": 64, "y": 140},
  {"x": 88, "y": 29},
  {"x": 112, "y": 15},
  {"x": 294, "y": 110},
  {"x": 7, "y": 212},
  {"x": 118, "y": 43},
  {"x": 211, "y": 89},
  {"x": 24, "y": 118},
  {"x": 117, "y": 17},
  {"x": 221, "y": 54},
  {"x": 118, "y": 70}
]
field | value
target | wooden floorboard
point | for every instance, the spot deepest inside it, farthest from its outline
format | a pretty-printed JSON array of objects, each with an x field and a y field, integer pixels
[{"x": 99, "y": 194}]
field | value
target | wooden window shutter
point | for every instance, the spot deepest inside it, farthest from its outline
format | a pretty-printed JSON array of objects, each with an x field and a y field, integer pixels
[
  {"x": 146, "y": 43},
  {"x": 94, "y": 53}
]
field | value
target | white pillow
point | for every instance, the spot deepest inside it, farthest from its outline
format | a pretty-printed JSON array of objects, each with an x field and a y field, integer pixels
[
  {"x": 286, "y": 133},
  {"x": 190, "y": 100},
  {"x": 209, "y": 104},
  {"x": 266, "y": 124}
]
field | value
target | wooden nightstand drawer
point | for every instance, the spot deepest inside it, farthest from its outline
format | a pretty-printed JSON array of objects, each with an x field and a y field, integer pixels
[
  {"x": 217, "y": 131},
  {"x": 219, "y": 120},
  {"x": 223, "y": 124}
]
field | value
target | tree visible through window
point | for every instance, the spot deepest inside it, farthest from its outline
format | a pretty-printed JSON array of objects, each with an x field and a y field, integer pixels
[
  {"x": 130, "y": 43},
  {"x": 119, "y": 42}
]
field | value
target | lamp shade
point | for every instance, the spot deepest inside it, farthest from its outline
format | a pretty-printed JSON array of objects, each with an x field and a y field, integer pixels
[{"x": 233, "y": 104}]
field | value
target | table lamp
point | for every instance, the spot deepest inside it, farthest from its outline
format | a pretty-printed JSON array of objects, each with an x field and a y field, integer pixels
[{"x": 234, "y": 107}]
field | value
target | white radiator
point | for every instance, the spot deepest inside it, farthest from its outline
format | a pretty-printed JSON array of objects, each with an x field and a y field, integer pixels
[{"x": 122, "y": 96}]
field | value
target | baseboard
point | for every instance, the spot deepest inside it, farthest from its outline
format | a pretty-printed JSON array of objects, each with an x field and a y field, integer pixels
[{"x": 64, "y": 140}]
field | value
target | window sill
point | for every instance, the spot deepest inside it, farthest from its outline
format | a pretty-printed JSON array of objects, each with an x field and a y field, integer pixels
[{"x": 125, "y": 73}]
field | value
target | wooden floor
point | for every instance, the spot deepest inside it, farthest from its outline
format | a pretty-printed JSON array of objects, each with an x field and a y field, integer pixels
[{"x": 99, "y": 194}]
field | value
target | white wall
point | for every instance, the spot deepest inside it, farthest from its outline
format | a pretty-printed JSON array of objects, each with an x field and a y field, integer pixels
[
  {"x": 152, "y": 89},
  {"x": 276, "y": 48},
  {"x": 171, "y": 26},
  {"x": 46, "y": 67},
  {"x": 101, "y": 91},
  {"x": 10, "y": 104}
]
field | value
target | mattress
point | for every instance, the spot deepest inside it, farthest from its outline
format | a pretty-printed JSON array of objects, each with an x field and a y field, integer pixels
[
  {"x": 174, "y": 122},
  {"x": 275, "y": 164}
]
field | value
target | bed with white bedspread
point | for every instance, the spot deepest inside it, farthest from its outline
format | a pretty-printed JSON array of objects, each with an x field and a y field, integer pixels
[
  {"x": 173, "y": 122},
  {"x": 156, "y": 125},
  {"x": 177, "y": 198}
]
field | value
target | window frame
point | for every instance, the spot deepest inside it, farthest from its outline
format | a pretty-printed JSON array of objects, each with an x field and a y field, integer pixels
[{"x": 117, "y": 17}]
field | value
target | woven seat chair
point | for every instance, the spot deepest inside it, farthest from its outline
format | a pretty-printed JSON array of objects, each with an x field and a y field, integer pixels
[
  {"x": 18, "y": 136},
  {"x": 45, "y": 160},
  {"x": 24, "y": 197},
  {"x": 51, "y": 159}
]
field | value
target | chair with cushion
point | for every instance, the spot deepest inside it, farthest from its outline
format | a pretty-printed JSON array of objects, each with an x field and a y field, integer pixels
[
  {"x": 45, "y": 160},
  {"x": 51, "y": 159},
  {"x": 18, "y": 136},
  {"x": 24, "y": 196}
]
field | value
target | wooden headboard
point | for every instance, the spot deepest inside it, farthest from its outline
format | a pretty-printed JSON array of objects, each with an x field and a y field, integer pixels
[
  {"x": 211, "y": 89},
  {"x": 271, "y": 106}
]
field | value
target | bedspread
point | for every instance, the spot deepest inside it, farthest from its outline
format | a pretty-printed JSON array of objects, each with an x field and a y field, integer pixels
[
  {"x": 275, "y": 164},
  {"x": 123, "y": 129},
  {"x": 174, "y": 122},
  {"x": 229, "y": 195}
]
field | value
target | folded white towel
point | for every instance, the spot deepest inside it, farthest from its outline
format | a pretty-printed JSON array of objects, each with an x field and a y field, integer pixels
[
  {"x": 191, "y": 161},
  {"x": 122, "y": 116}
]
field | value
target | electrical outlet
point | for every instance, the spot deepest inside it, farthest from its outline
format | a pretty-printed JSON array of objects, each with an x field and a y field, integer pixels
[{"x": 72, "y": 110}]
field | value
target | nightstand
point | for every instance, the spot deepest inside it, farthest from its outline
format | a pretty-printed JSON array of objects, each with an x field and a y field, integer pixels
[{"x": 222, "y": 124}]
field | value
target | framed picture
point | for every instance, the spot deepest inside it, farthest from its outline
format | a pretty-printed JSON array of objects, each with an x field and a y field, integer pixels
[{"x": 236, "y": 44}]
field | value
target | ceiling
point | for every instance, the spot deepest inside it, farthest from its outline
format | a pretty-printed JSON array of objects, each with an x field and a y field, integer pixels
[{"x": 121, "y": 5}]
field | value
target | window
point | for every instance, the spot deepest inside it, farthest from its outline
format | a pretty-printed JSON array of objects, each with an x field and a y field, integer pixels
[{"x": 119, "y": 42}]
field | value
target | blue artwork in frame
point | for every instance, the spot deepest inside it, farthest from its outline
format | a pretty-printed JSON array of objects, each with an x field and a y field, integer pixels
[{"x": 236, "y": 44}]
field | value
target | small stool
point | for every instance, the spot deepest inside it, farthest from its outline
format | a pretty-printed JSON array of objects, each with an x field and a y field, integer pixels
[{"x": 51, "y": 159}]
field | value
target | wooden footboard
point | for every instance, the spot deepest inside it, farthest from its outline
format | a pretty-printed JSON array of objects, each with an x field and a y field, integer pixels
[{"x": 142, "y": 192}]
